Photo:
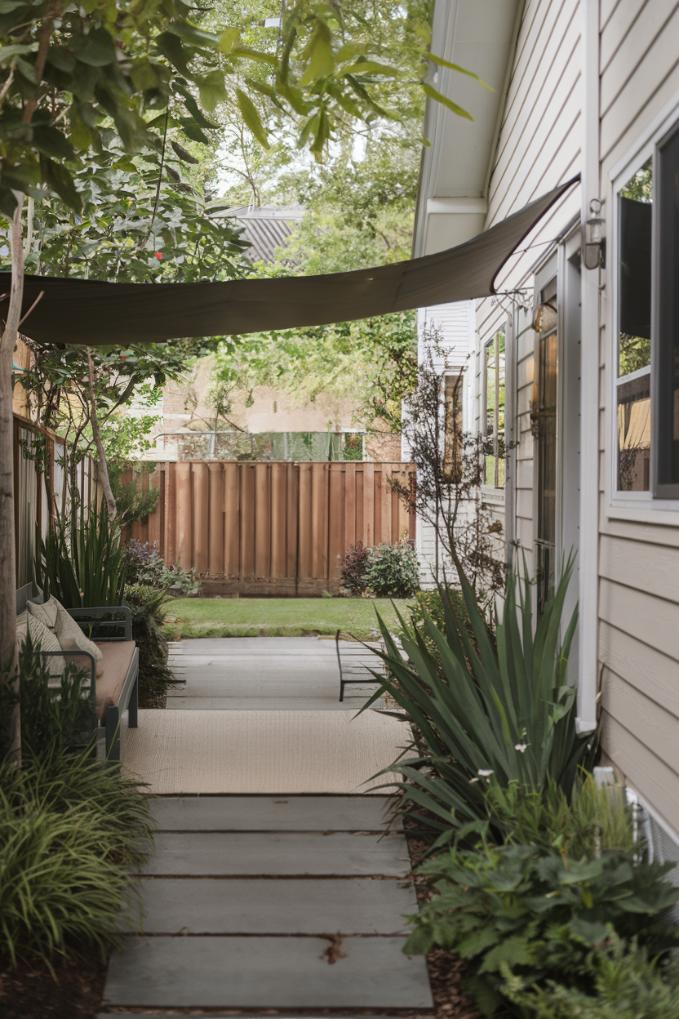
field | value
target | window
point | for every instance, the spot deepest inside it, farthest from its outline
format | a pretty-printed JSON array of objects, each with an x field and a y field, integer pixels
[
  {"x": 647, "y": 376},
  {"x": 494, "y": 411},
  {"x": 633, "y": 374},
  {"x": 452, "y": 436}
]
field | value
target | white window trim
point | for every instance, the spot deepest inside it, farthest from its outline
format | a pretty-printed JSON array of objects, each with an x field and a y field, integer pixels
[
  {"x": 638, "y": 507},
  {"x": 491, "y": 494}
]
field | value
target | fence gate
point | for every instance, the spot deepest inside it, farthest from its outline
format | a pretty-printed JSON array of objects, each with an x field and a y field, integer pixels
[{"x": 271, "y": 528}]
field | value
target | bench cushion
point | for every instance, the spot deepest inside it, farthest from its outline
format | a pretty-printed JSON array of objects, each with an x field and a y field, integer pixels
[{"x": 116, "y": 661}]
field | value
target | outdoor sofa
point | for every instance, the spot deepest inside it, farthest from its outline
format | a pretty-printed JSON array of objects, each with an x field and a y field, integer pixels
[{"x": 116, "y": 688}]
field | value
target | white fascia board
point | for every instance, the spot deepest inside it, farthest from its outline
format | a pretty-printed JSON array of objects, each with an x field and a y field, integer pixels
[{"x": 455, "y": 163}]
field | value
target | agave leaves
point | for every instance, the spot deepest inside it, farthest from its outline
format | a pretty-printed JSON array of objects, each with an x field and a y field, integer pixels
[{"x": 486, "y": 702}]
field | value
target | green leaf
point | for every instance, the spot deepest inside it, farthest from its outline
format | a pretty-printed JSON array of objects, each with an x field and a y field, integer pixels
[
  {"x": 191, "y": 33},
  {"x": 15, "y": 50},
  {"x": 228, "y": 39},
  {"x": 251, "y": 117},
  {"x": 321, "y": 62},
  {"x": 58, "y": 179},
  {"x": 249, "y": 54},
  {"x": 61, "y": 58},
  {"x": 373, "y": 67},
  {"x": 434, "y": 93},
  {"x": 96, "y": 49},
  {"x": 192, "y": 131},
  {"x": 171, "y": 48},
  {"x": 461, "y": 70},
  {"x": 184, "y": 154},
  {"x": 212, "y": 89},
  {"x": 52, "y": 142},
  {"x": 144, "y": 76}
]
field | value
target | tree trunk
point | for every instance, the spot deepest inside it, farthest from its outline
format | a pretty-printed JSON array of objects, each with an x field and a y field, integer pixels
[
  {"x": 96, "y": 434},
  {"x": 8, "y": 578}
]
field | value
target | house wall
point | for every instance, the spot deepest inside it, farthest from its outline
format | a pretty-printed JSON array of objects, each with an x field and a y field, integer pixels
[
  {"x": 638, "y": 546},
  {"x": 454, "y": 327},
  {"x": 539, "y": 145}
]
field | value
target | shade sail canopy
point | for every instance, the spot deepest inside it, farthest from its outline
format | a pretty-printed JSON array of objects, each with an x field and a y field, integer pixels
[{"x": 91, "y": 312}]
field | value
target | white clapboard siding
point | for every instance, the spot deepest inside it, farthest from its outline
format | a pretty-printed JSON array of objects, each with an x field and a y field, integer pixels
[
  {"x": 455, "y": 327},
  {"x": 638, "y": 560},
  {"x": 538, "y": 146}
]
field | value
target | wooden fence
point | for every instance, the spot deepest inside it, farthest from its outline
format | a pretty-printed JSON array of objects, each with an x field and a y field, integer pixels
[{"x": 272, "y": 528}]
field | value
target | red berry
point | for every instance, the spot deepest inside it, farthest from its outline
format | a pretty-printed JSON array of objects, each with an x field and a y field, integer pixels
[{"x": 158, "y": 255}]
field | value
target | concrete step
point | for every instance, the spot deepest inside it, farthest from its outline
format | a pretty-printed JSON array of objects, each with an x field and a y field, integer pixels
[
  {"x": 270, "y": 813},
  {"x": 279, "y": 854},
  {"x": 272, "y": 906},
  {"x": 266, "y": 972}
]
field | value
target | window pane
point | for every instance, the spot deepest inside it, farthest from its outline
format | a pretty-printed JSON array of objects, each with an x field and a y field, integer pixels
[
  {"x": 634, "y": 434},
  {"x": 634, "y": 284},
  {"x": 668, "y": 314},
  {"x": 453, "y": 426}
]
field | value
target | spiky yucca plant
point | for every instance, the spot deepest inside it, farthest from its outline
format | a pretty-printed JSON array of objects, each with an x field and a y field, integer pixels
[{"x": 486, "y": 700}]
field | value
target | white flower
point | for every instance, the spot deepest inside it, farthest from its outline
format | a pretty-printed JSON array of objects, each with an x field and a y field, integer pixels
[
  {"x": 521, "y": 747},
  {"x": 485, "y": 772},
  {"x": 473, "y": 780}
]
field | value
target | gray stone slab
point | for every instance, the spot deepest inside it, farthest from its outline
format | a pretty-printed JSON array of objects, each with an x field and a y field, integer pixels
[
  {"x": 279, "y": 854},
  {"x": 189, "y": 703},
  {"x": 269, "y": 813},
  {"x": 272, "y": 906},
  {"x": 265, "y": 972}
]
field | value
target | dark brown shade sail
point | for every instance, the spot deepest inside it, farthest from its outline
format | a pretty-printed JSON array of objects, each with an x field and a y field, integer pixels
[{"x": 91, "y": 312}]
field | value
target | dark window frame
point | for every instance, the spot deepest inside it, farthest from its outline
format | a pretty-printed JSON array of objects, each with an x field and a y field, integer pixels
[{"x": 664, "y": 323}]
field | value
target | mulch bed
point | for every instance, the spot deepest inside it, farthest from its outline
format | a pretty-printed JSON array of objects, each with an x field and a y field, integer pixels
[
  {"x": 31, "y": 992},
  {"x": 446, "y": 970}
]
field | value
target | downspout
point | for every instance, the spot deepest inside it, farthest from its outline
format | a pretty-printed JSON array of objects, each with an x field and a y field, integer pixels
[{"x": 589, "y": 413}]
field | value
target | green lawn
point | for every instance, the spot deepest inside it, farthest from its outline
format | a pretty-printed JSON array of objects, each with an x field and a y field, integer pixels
[{"x": 276, "y": 617}]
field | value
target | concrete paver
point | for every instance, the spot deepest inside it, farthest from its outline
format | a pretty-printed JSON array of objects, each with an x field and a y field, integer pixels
[{"x": 266, "y": 972}]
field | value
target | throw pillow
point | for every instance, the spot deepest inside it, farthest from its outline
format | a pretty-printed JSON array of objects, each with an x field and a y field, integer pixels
[
  {"x": 45, "y": 611},
  {"x": 72, "y": 638},
  {"x": 46, "y": 640}
]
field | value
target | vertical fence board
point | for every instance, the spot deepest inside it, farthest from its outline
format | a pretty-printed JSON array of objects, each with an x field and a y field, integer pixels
[
  {"x": 279, "y": 522},
  {"x": 215, "y": 558},
  {"x": 336, "y": 521},
  {"x": 262, "y": 520},
  {"x": 305, "y": 531},
  {"x": 184, "y": 516},
  {"x": 247, "y": 520},
  {"x": 232, "y": 472}
]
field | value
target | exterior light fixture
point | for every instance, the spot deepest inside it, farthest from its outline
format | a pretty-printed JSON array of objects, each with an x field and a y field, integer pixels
[{"x": 594, "y": 242}]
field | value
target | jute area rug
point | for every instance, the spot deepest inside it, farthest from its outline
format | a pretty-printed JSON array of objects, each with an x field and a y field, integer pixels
[{"x": 263, "y": 751}]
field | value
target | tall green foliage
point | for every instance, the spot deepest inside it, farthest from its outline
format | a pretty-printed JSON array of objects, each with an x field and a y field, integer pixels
[
  {"x": 486, "y": 702},
  {"x": 82, "y": 563},
  {"x": 70, "y": 834}
]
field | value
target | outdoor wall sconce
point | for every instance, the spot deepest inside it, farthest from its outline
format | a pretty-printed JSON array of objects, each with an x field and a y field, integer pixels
[
  {"x": 594, "y": 242},
  {"x": 540, "y": 313}
]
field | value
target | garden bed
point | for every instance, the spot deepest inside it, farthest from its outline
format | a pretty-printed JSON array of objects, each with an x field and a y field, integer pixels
[{"x": 31, "y": 991}]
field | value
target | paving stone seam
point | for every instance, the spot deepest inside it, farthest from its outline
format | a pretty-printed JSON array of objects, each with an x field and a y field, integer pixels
[{"x": 274, "y": 877}]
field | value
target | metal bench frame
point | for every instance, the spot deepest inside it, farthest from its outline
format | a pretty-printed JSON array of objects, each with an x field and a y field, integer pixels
[{"x": 354, "y": 658}]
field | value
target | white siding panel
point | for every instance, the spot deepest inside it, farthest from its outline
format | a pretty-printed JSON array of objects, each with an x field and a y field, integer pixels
[
  {"x": 649, "y": 722},
  {"x": 651, "y": 620},
  {"x": 648, "y": 773},
  {"x": 655, "y": 675},
  {"x": 644, "y": 567}
]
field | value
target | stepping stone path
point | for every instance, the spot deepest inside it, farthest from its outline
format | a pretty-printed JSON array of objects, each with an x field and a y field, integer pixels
[{"x": 261, "y": 902}]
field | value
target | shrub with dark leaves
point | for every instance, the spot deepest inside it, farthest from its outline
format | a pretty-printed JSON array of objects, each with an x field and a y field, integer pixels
[
  {"x": 354, "y": 568},
  {"x": 146, "y": 566}
]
